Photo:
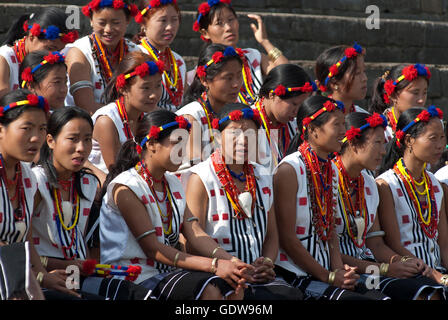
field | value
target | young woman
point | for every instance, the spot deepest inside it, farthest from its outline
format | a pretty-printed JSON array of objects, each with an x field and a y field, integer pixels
[
  {"x": 144, "y": 212},
  {"x": 43, "y": 31},
  {"x": 411, "y": 210},
  {"x": 232, "y": 198},
  {"x": 45, "y": 73},
  {"x": 401, "y": 88},
  {"x": 217, "y": 22},
  {"x": 217, "y": 82},
  {"x": 91, "y": 60},
  {"x": 281, "y": 95},
  {"x": 134, "y": 90},
  {"x": 22, "y": 132},
  {"x": 305, "y": 183},
  {"x": 341, "y": 75},
  {"x": 160, "y": 22},
  {"x": 357, "y": 224}
]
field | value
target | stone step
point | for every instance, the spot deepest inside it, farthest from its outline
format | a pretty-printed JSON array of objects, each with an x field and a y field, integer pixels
[{"x": 305, "y": 36}]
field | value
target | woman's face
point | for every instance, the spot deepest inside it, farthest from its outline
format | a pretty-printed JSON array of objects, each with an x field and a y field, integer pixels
[
  {"x": 53, "y": 87},
  {"x": 144, "y": 93},
  {"x": 372, "y": 151},
  {"x": 285, "y": 110},
  {"x": 226, "y": 85},
  {"x": 162, "y": 26},
  {"x": 238, "y": 140},
  {"x": 430, "y": 144},
  {"x": 224, "y": 28},
  {"x": 44, "y": 44},
  {"x": 328, "y": 137},
  {"x": 72, "y": 145},
  {"x": 414, "y": 95},
  {"x": 169, "y": 152},
  {"x": 358, "y": 88},
  {"x": 23, "y": 137},
  {"x": 110, "y": 26}
]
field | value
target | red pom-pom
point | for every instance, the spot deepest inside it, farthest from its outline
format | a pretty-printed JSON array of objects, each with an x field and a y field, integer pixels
[
  {"x": 428, "y": 73},
  {"x": 35, "y": 30},
  {"x": 334, "y": 70},
  {"x": 196, "y": 26},
  {"x": 138, "y": 148},
  {"x": 133, "y": 9},
  {"x": 88, "y": 266},
  {"x": 226, "y": 1},
  {"x": 142, "y": 70},
  {"x": 353, "y": 133},
  {"x": 118, "y": 4},
  {"x": 236, "y": 115},
  {"x": 410, "y": 73},
  {"x": 154, "y": 132},
  {"x": 323, "y": 88},
  {"x": 160, "y": 65},
  {"x": 215, "y": 124},
  {"x": 27, "y": 75},
  {"x": 375, "y": 120},
  {"x": 94, "y": 5},
  {"x": 204, "y": 8},
  {"x": 280, "y": 90},
  {"x": 200, "y": 71},
  {"x": 440, "y": 113},
  {"x": 217, "y": 56},
  {"x": 389, "y": 87},
  {"x": 121, "y": 81},
  {"x": 307, "y": 87},
  {"x": 386, "y": 98},
  {"x": 330, "y": 106},
  {"x": 1, "y": 111},
  {"x": 52, "y": 58},
  {"x": 70, "y": 37},
  {"x": 154, "y": 3},
  {"x": 32, "y": 99},
  {"x": 240, "y": 52},
  {"x": 424, "y": 116},
  {"x": 350, "y": 53},
  {"x": 86, "y": 11},
  {"x": 138, "y": 18},
  {"x": 183, "y": 123},
  {"x": 306, "y": 121},
  {"x": 25, "y": 26},
  {"x": 205, "y": 39},
  {"x": 399, "y": 135}
]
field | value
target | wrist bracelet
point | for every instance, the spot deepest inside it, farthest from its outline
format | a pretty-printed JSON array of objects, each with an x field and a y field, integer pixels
[
  {"x": 274, "y": 54},
  {"x": 444, "y": 280},
  {"x": 44, "y": 261},
  {"x": 214, "y": 251},
  {"x": 176, "y": 257},
  {"x": 331, "y": 277},
  {"x": 144, "y": 234},
  {"x": 405, "y": 258},
  {"x": 40, "y": 277},
  {"x": 384, "y": 267},
  {"x": 267, "y": 259},
  {"x": 214, "y": 265}
]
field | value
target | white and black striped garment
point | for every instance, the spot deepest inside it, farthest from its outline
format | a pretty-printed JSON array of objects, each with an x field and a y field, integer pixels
[
  {"x": 11, "y": 229},
  {"x": 413, "y": 237},
  {"x": 242, "y": 238},
  {"x": 253, "y": 57}
]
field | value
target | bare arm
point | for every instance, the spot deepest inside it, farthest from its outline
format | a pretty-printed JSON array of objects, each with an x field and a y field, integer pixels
[
  {"x": 4, "y": 77},
  {"x": 105, "y": 133}
]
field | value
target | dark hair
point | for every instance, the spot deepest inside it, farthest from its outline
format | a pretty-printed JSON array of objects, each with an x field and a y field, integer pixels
[
  {"x": 142, "y": 4},
  {"x": 35, "y": 58},
  {"x": 377, "y": 103},
  {"x": 328, "y": 58},
  {"x": 356, "y": 120},
  {"x": 309, "y": 107},
  {"x": 207, "y": 19},
  {"x": 57, "y": 121},
  {"x": 227, "y": 109},
  {"x": 12, "y": 114},
  {"x": 288, "y": 75},
  {"x": 196, "y": 88},
  {"x": 126, "y": 10},
  {"x": 127, "y": 65},
  {"x": 49, "y": 16},
  {"x": 393, "y": 152}
]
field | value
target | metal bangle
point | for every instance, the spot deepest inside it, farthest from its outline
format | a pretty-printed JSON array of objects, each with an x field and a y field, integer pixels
[
  {"x": 144, "y": 234},
  {"x": 79, "y": 85},
  {"x": 214, "y": 251},
  {"x": 176, "y": 258},
  {"x": 192, "y": 219},
  {"x": 214, "y": 262},
  {"x": 375, "y": 234}
]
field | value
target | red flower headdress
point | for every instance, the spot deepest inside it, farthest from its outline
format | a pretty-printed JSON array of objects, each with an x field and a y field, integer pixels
[
  {"x": 373, "y": 121},
  {"x": 52, "y": 58},
  {"x": 146, "y": 68},
  {"x": 115, "y": 4}
]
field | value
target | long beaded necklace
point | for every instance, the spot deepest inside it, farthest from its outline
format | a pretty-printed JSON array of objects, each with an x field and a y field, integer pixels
[
  {"x": 322, "y": 193},
  {"x": 60, "y": 224},
  {"x": 124, "y": 118},
  {"x": 392, "y": 119},
  {"x": 430, "y": 223},
  {"x": 209, "y": 113},
  {"x": 101, "y": 55},
  {"x": 232, "y": 192},
  {"x": 19, "y": 50},
  {"x": 352, "y": 212},
  {"x": 19, "y": 212},
  {"x": 167, "y": 219},
  {"x": 247, "y": 94},
  {"x": 174, "y": 85}
]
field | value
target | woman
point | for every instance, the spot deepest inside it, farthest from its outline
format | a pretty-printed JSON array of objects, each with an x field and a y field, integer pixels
[
  {"x": 91, "y": 60},
  {"x": 411, "y": 209},
  {"x": 144, "y": 212},
  {"x": 357, "y": 224},
  {"x": 43, "y": 31},
  {"x": 134, "y": 90},
  {"x": 45, "y": 73},
  {"x": 160, "y": 23},
  {"x": 401, "y": 88},
  {"x": 341, "y": 75},
  {"x": 217, "y": 22}
]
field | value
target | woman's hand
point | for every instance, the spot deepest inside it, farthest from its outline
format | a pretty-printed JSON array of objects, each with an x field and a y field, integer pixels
[
  {"x": 234, "y": 272},
  {"x": 346, "y": 278},
  {"x": 56, "y": 280},
  {"x": 408, "y": 268},
  {"x": 260, "y": 33},
  {"x": 264, "y": 270}
]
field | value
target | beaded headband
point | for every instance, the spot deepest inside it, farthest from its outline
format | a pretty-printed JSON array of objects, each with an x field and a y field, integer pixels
[
  {"x": 409, "y": 73},
  {"x": 51, "y": 32},
  {"x": 146, "y": 68},
  {"x": 52, "y": 58},
  {"x": 152, "y": 4},
  {"x": 424, "y": 116},
  {"x": 236, "y": 115},
  {"x": 373, "y": 121},
  {"x": 115, "y": 4},
  {"x": 204, "y": 9},
  {"x": 217, "y": 57},
  {"x": 349, "y": 53},
  {"x": 31, "y": 100},
  {"x": 154, "y": 132},
  {"x": 328, "y": 106},
  {"x": 281, "y": 90}
]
